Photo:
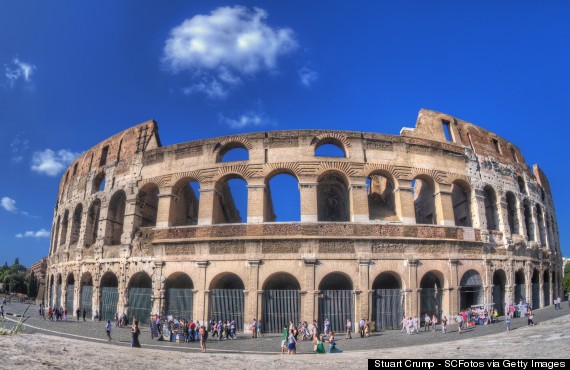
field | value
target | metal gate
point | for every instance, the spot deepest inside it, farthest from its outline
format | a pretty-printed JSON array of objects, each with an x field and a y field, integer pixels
[
  {"x": 140, "y": 304},
  {"x": 499, "y": 298},
  {"x": 58, "y": 296},
  {"x": 52, "y": 300},
  {"x": 431, "y": 302},
  {"x": 535, "y": 296},
  {"x": 387, "y": 308},
  {"x": 69, "y": 293},
  {"x": 109, "y": 300},
  {"x": 179, "y": 303},
  {"x": 337, "y": 306},
  {"x": 280, "y": 307},
  {"x": 546, "y": 288},
  {"x": 471, "y": 295},
  {"x": 227, "y": 304},
  {"x": 520, "y": 294},
  {"x": 86, "y": 300}
]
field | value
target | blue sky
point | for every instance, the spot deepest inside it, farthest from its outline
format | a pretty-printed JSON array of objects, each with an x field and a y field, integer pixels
[{"x": 74, "y": 73}]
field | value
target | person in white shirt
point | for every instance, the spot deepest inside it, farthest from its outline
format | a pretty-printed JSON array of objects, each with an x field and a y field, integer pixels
[
  {"x": 362, "y": 325},
  {"x": 459, "y": 320},
  {"x": 427, "y": 322}
]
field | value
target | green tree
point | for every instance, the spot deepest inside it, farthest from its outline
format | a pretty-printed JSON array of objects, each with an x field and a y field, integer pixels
[
  {"x": 17, "y": 282},
  {"x": 566, "y": 279},
  {"x": 32, "y": 285}
]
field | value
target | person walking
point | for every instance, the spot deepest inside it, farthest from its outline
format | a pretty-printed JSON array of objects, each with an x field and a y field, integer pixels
[
  {"x": 327, "y": 327},
  {"x": 135, "y": 332},
  {"x": 254, "y": 329},
  {"x": 434, "y": 323},
  {"x": 78, "y": 313},
  {"x": 444, "y": 324},
  {"x": 332, "y": 342},
  {"x": 427, "y": 322},
  {"x": 459, "y": 320},
  {"x": 530, "y": 318},
  {"x": 404, "y": 323},
  {"x": 259, "y": 333},
  {"x": 362, "y": 326},
  {"x": 508, "y": 321},
  {"x": 284, "y": 339},
  {"x": 291, "y": 348},
  {"x": 348, "y": 327},
  {"x": 84, "y": 313},
  {"x": 108, "y": 329},
  {"x": 559, "y": 303},
  {"x": 203, "y": 337}
]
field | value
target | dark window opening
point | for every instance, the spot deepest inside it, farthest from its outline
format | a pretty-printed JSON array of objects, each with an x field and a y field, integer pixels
[
  {"x": 447, "y": 130},
  {"x": 496, "y": 145},
  {"x": 514, "y": 154},
  {"x": 104, "y": 153},
  {"x": 75, "y": 169}
]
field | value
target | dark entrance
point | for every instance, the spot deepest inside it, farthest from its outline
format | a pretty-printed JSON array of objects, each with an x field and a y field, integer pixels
[
  {"x": 336, "y": 301},
  {"x": 471, "y": 289},
  {"x": 387, "y": 301},
  {"x": 499, "y": 283},
  {"x": 227, "y": 300},
  {"x": 140, "y": 293},
  {"x": 179, "y": 296},
  {"x": 281, "y": 302},
  {"x": 431, "y": 297},
  {"x": 109, "y": 296}
]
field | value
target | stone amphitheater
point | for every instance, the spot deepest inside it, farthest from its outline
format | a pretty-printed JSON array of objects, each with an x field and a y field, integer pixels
[{"x": 441, "y": 217}]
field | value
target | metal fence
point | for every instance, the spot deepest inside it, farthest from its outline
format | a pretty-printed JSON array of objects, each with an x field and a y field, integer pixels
[
  {"x": 227, "y": 304},
  {"x": 471, "y": 295},
  {"x": 387, "y": 308},
  {"x": 535, "y": 296},
  {"x": 140, "y": 304},
  {"x": 179, "y": 303},
  {"x": 280, "y": 307},
  {"x": 337, "y": 306},
  {"x": 109, "y": 300},
  {"x": 499, "y": 298},
  {"x": 69, "y": 293},
  {"x": 58, "y": 296},
  {"x": 520, "y": 293},
  {"x": 431, "y": 302},
  {"x": 546, "y": 288},
  {"x": 86, "y": 300}
]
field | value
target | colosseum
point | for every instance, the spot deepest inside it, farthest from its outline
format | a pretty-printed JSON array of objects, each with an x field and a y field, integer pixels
[{"x": 441, "y": 217}]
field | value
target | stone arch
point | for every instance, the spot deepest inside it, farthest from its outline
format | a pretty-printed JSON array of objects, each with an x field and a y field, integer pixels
[
  {"x": 521, "y": 183},
  {"x": 64, "y": 226},
  {"x": 512, "y": 214},
  {"x": 58, "y": 292},
  {"x": 337, "y": 139},
  {"x": 186, "y": 203},
  {"x": 92, "y": 224},
  {"x": 116, "y": 218},
  {"x": 225, "y": 210},
  {"x": 336, "y": 300},
  {"x": 520, "y": 287},
  {"x": 227, "y": 300},
  {"x": 281, "y": 281},
  {"x": 387, "y": 280},
  {"x": 546, "y": 288},
  {"x": 288, "y": 192},
  {"x": 461, "y": 202},
  {"x": 499, "y": 290},
  {"x": 98, "y": 183},
  {"x": 69, "y": 292},
  {"x": 431, "y": 295},
  {"x": 179, "y": 295},
  {"x": 139, "y": 301},
  {"x": 423, "y": 190},
  {"x": 281, "y": 302},
  {"x": 76, "y": 224},
  {"x": 221, "y": 149},
  {"x": 491, "y": 213},
  {"x": 333, "y": 200},
  {"x": 471, "y": 289},
  {"x": 109, "y": 296},
  {"x": 528, "y": 221},
  {"x": 227, "y": 280},
  {"x": 387, "y": 300},
  {"x": 381, "y": 197},
  {"x": 146, "y": 206}
]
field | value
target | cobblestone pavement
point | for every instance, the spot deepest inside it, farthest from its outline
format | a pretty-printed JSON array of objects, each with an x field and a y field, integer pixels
[{"x": 91, "y": 330}]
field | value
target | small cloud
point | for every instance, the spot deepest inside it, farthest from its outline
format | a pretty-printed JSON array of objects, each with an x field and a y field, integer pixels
[
  {"x": 42, "y": 233},
  {"x": 18, "y": 70},
  {"x": 308, "y": 77},
  {"x": 19, "y": 146},
  {"x": 246, "y": 120},
  {"x": 50, "y": 162},
  {"x": 212, "y": 88},
  {"x": 9, "y": 204}
]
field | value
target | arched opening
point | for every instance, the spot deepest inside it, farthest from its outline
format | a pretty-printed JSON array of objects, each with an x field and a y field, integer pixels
[
  {"x": 546, "y": 288},
  {"x": 512, "y": 213},
  {"x": 541, "y": 228},
  {"x": 281, "y": 302},
  {"x": 147, "y": 206},
  {"x": 233, "y": 152},
  {"x": 535, "y": 289},
  {"x": 109, "y": 296},
  {"x": 528, "y": 220},
  {"x": 140, "y": 293},
  {"x": 471, "y": 289},
  {"x": 98, "y": 183},
  {"x": 461, "y": 201},
  {"x": 69, "y": 293},
  {"x": 423, "y": 190},
  {"x": 520, "y": 289},
  {"x": 332, "y": 148},
  {"x": 333, "y": 202},
  {"x": 227, "y": 299},
  {"x": 522, "y": 187},
  {"x": 186, "y": 203},
  {"x": 64, "y": 224},
  {"x": 56, "y": 238},
  {"x": 51, "y": 295},
  {"x": 86, "y": 294},
  {"x": 230, "y": 205},
  {"x": 491, "y": 213},
  {"x": 115, "y": 218},
  {"x": 499, "y": 284},
  {"x": 92, "y": 225},
  {"x": 431, "y": 296},
  {"x": 381, "y": 199},
  {"x": 58, "y": 292},
  {"x": 179, "y": 296},
  {"x": 336, "y": 300},
  {"x": 387, "y": 301},
  {"x": 76, "y": 225},
  {"x": 282, "y": 198}
]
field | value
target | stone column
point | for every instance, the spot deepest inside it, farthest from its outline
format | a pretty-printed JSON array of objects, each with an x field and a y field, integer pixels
[
  {"x": 361, "y": 310},
  {"x": 444, "y": 206},
  {"x": 202, "y": 301},
  {"x": 165, "y": 200},
  {"x": 503, "y": 213},
  {"x": 251, "y": 298},
  {"x": 76, "y": 296},
  {"x": 310, "y": 306},
  {"x": 308, "y": 194},
  {"x": 359, "y": 203},
  {"x": 488, "y": 282},
  {"x": 63, "y": 293},
  {"x": 414, "y": 301},
  {"x": 404, "y": 200},
  {"x": 541, "y": 285},
  {"x": 207, "y": 204},
  {"x": 478, "y": 209},
  {"x": 158, "y": 291},
  {"x": 454, "y": 288},
  {"x": 255, "y": 203},
  {"x": 528, "y": 281},
  {"x": 522, "y": 220}
]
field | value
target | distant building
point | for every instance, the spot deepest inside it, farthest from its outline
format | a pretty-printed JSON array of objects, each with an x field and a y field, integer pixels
[{"x": 39, "y": 269}]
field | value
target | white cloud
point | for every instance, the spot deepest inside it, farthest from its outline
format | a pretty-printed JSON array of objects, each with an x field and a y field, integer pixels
[
  {"x": 8, "y": 204},
  {"x": 19, "y": 146},
  {"x": 227, "y": 43},
  {"x": 212, "y": 88},
  {"x": 245, "y": 120},
  {"x": 307, "y": 76},
  {"x": 42, "y": 233},
  {"x": 18, "y": 70},
  {"x": 50, "y": 162}
]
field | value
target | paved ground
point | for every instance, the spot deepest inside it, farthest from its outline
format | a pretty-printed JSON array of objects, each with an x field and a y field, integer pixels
[{"x": 90, "y": 330}]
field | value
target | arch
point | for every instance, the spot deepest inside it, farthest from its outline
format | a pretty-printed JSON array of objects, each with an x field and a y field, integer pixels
[
  {"x": 70, "y": 279},
  {"x": 520, "y": 287},
  {"x": 535, "y": 283},
  {"x": 286, "y": 206},
  {"x": 546, "y": 288},
  {"x": 528, "y": 220},
  {"x": 115, "y": 218},
  {"x": 227, "y": 280},
  {"x": 336, "y": 281},
  {"x": 109, "y": 279},
  {"x": 499, "y": 290},
  {"x": 336, "y": 300},
  {"x": 109, "y": 296},
  {"x": 431, "y": 296},
  {"x": 512, "y": 214},
  {"x": 331, "y": 148},
  {"x": 227, "y": 300},
  {"x": 230, "y": 204},
  {"x": 231, "y": 152},
  {"x": 522, "y": 186},
  {"x": 491, "y": 213},
  {"x": 179, "y": 295},
  {"x": 333, "y": 139},
  {"x": 461, "y": 202},
  {"x": 281, "y": 302},
  {"x": 140, "y": 293},
  {"x": 58, "y": 291},
  {"x": 69, "y": 292},
  {"x": 381, "y": 198},
  {"x": 76, "y": 224},
  {"x": 64, "y": 224},
  {"x": 186, "y": 202},
  {"x": 542, "y": 239},
  {"x": 98, "y": 183},
  {"x": 423, "y": 190},
  {"x": 146, "y": 206},
  {"x": 333, "y": 201},
  {"x": 387, "y": 300},
  {"x": 92, "y": 224},
  {"x": 472, "y": 291},
  {"x": 387, "y": 280}
]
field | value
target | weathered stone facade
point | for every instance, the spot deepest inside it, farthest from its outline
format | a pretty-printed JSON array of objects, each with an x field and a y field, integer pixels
[{"x": 434, "y": 210}]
